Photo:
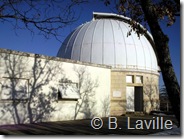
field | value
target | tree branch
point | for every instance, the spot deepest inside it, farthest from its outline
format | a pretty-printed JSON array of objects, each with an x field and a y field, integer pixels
[{"x": 48, "y": 17}]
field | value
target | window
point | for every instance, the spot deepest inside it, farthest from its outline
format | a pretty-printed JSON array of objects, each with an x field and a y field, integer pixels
[
  {"x": 14, "y": 88},
  {"x": 139, "y": 79},
  {"x": 68, "y": 91},
  {"x": 129, "y": 79}
]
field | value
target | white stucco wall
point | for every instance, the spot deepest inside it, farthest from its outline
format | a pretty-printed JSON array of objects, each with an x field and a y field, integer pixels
[{"x": 40, "y": 78}]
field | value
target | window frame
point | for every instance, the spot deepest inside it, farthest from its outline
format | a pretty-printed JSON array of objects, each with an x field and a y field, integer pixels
[
  {"x": 68, "y": 98},
  {"x": 141, "y": 79},
  {"x": 132, "y": 79}
]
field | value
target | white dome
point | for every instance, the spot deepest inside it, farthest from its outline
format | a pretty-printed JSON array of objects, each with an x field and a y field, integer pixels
[{"x": 104, "y": 40}]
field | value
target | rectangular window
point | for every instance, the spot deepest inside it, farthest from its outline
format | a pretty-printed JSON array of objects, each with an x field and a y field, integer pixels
[
  {"x": 69, "y": 91},
  {"x": 139, "y": 79},
  {"x": 129, "y": 79},
  {"x": 14, "y": 88}
]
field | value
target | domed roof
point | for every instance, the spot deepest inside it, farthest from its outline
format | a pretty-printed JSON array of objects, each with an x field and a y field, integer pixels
[{"x": 104, "y": 40}]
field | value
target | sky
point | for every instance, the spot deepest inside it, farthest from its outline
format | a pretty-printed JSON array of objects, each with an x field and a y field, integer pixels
[{"x": 23, "y": 40}]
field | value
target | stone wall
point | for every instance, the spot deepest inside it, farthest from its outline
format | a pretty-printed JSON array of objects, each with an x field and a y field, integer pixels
[{"x": 118, "y": 90}]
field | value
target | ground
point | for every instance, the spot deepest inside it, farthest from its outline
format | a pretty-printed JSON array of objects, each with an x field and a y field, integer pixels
[{"x": 83, "y": 127}]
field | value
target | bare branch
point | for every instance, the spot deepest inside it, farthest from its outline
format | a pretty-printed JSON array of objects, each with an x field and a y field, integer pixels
[{"x": 48, "y": 17}]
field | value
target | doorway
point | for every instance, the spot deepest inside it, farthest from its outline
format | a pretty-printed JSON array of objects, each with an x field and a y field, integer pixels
[
  {"x": 134, "y": 98},
  {"x": 130, "y": 99},
  {"x": 138, "y": 98}
]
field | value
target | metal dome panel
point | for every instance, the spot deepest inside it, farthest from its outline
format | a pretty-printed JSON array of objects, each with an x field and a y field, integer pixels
[{"x": 105, "y": 41}]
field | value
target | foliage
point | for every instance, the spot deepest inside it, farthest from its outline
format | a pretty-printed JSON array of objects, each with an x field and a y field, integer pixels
[{"x": 165, "y": 10}]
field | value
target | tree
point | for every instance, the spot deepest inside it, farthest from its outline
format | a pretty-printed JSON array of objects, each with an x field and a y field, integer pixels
[
  {"x": 164, "y": 102},
  {"x": 47, "y": 17},
  {"x": 150, "y": 13}
]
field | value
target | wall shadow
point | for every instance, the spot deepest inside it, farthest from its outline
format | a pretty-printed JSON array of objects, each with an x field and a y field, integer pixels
[
  {"x": 31, "y": 85},
  {"x": 150, "y": 93},
  {"x": 86, "y": 88},
  {"x": 24, "y": 82}
]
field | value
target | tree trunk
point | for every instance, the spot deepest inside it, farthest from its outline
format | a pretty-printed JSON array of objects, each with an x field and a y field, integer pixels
[{"x": 164, "y": 59}]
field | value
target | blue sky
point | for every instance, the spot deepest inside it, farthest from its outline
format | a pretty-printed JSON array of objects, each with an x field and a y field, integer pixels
[{"x": 22, "y": 40}]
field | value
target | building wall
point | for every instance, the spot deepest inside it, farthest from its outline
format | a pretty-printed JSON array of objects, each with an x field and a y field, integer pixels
[
  {"x": 35, "y": 88},
  {"x": 118, "y": 90}
]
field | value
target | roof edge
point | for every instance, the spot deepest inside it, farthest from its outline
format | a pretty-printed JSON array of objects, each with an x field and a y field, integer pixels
[
  {"x": 99, "y": 15},
  {"x": 27, "y": 54}
]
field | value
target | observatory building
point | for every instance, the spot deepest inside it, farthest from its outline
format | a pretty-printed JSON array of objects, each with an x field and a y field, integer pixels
[
  {"x": 134, "y": 65},
  {"x": 99, "y": 71}
]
